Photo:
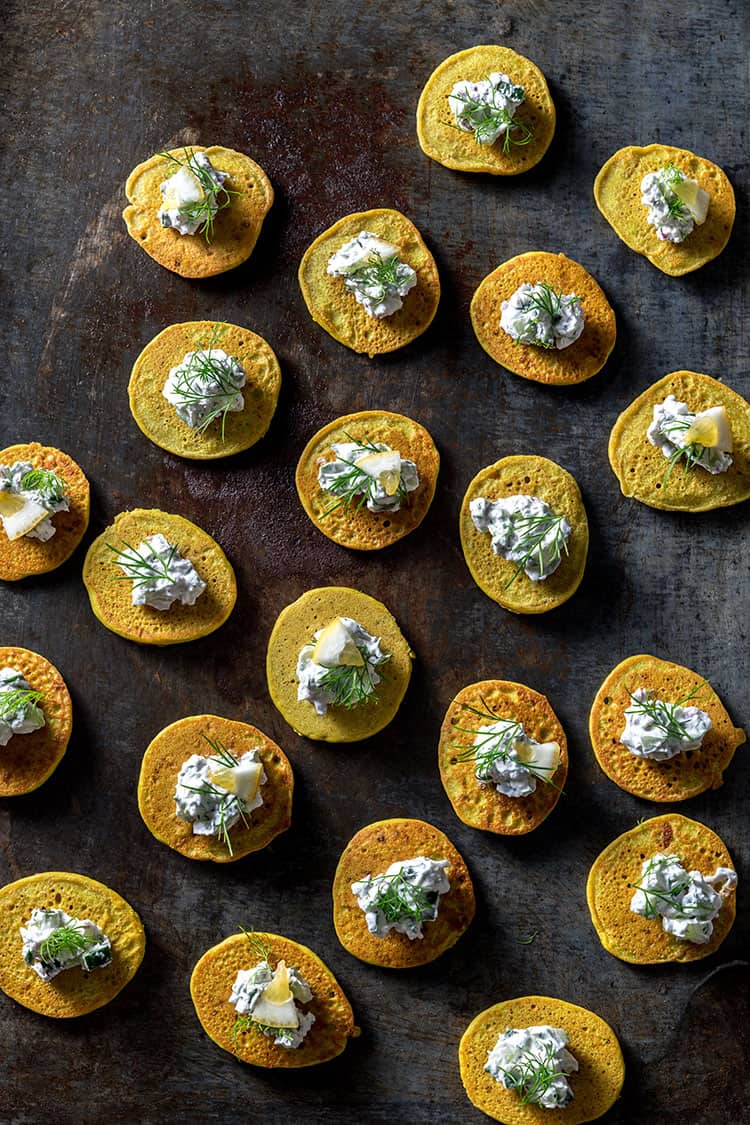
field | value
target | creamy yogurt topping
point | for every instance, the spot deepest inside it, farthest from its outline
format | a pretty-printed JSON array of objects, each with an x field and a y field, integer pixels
[
  {"x": 403, "y": 897},
  {"x": 54, "y": 941},
  {"x": 675, "y": 203},
  {"x": 161, "y": 576},
  {"x": 373, "y": 272},
  {"x": 372, "y": 470},
  {"x": 18, "y": 715},
  {"x": 670, "y": 431},
  {"x": 523, "y": 529},
  {"x": 204, "y": 386},
  {"x": 248, "y": 989},
  {"x": 42, "y": 486},
  {"x": 485, "y": 108},
  {"x": 686, "y": 901},
  {"x": 213, "y": 808},
  {"x": 316, "y": 684},
  {"x": 538, "y": 314},
  {"x": 663, "y": 730},
  {"x": 189, "y": 196},
  {"x": 507, "y": 758},
  {"x": 534, "y": 1061}
]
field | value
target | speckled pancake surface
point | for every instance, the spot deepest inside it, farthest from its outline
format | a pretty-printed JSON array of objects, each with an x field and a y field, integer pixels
[
  {"x": 617, "y": 191},
  {"x": 211, "y": 987},
  {"x": 111, "y": 598},
  {"x": 480, "y": 805},
  {"x": 72, "y": 992},
  {"x": 596, "y": 1085},
  {"x": 24, "y": 557},
  {"x": 236, "y": 228},
  {"x": 361, "y": 529},
  {"x": 629, "y": 936},
  {"x": 295, "y": 627},
  {"x": 641, "y": 467},
  {"x": 157, "y": 417},
  {"x": 371, "y": 852},
  {"x": 335, "y": 308},
  {"x": 528, "y": 476},
  {"x": 443, "y": 140},
  {"x": 554, "y": 366},
  {"x": 29, "y": 759}
]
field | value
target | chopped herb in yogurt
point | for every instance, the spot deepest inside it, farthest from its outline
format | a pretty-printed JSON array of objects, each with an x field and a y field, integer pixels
[
  {"x": 206, "y": 385},
  {"x": 20, "y": 712},
  {"x": 340, "y": 669},
  {"x": 193, "y": 196},
  {"x": 367, "y": 474},
  {"x": 504, "y": 756},
  {"x": 524, "y": 530},
  {"x": 53, "y": 942},
  {"x": 216, "y": 792},
  {"x": 29, "y": 497},
  {"x": 267, "y": 1000},
  {"x": 373, "y": 271},
  {"x": 534, "y": 1061},
  {"x": 686, "y": 901},
  {"x": 703, "y": 439},
  {"x": 658, "y": 730},
  {"x": 541, "y": 315},
  {"x": 486, "y": 109},
  {"x": 159, "y": 573},
  {"x": 675, "y": 203},
  {"x": 403, "y": 897}
]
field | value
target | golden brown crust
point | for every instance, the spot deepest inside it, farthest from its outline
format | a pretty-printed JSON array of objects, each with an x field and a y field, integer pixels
[{"x": 29, "y": 759}]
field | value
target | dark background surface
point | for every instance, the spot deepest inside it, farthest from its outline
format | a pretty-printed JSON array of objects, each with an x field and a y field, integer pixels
[{"x": 324, "y": 100}]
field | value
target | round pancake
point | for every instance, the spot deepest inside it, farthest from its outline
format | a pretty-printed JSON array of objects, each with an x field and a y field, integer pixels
[
  {"x": 481, "y": 805},
  {"x": 236, "y": 228},
  {"x": 442, "y": 140},
  {"x": 361, "y": 529},
  {"x": 111, "y": 598},
  {"x": 157, "y": 417},
  {"x": 685, "y": 775},
  {"x": 295, "y": 627},
  {"x": 629, "y": 936},
  {"x": 617, "y": 191},
  {"x": 371, "y": 851},
  {"x": 29, "y": 759},
  {"x": 334, "y": 308},
  {"x": 592, "y": 1042},
  {"x": 24, "y": 557},
  {"x": 557, "y": 367},
  {"x": 72, "y": 992},
  {"x": 211, "y": 987},
  {"x": 641, "y": 467},
  {"x": 162, "y": 762},
  {"x": 527, "y": 475}
]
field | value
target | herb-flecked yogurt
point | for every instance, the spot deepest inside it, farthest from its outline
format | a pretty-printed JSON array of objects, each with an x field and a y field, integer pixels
[
  {"x": 19, "y": 714},
  {"x": 686, "y": 901},
  {"x": 248, "y": 989},
  {"x": 670, "y": 429},
  {"x": 535, "y": 1062},
  {"x": 374, "y": 471},
  {"x": 43, "y": 487},
  {"x": 405, "y": 896},
  {"x": 316, "y": 682},
  {"x": 374, "y": 273},
  {"x": 485, "y": 108},
  {"x": 540, "y": 315},
  {"x": 663, "y": 730},
  {"x": 53, "y": 941},
  {"x": 675, "y": 203},
  {"x": 507, "y": 758},
  {"x": 525, "y": 530},
  {"x": 163, "y": 576},
  {"x": 206, "y": 384},
  {"x": 209, "y": 806},
  {"x": 191, "y": 190}
]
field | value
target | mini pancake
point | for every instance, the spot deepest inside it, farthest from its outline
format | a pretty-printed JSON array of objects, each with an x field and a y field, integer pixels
[
  {"x": 335, "y": 308},
  {"x": 685, "y": 775},
  {"x": 629, "y": 936},
  {"x": 111, "y": 598},
  {"x": 617, "y": 191},
  {"x": 295, "y": 627},
  {"x": 592, "y": 1042},
  {"x": 162, "y": 762},
  {"x": 73, "y": 992},
  {"x": 441, "y": 138},
  {"x": 236, "y": 228},
  {"x": 157, "y": 417},
  {"x": 361, "y": 529},
  {"x": 372, "y": 851},
  {"x": 29, "y": 759},
  {"x": 211, "y": 987},
  {"x": 641, "y": 467},
  {"x": 558, "y": 367},
  {"x": 526, "y": 475},
  {"x": 25, "y": 557},
  {"x": 481, "y": 805}
]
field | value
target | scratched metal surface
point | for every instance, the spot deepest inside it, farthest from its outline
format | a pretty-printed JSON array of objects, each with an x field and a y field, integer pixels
[{"x": 325, "y": 102}]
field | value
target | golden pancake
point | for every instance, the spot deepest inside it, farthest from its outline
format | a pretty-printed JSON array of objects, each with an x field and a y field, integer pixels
[
  {"x": 29, "y": 759},
  {"x": 334, "y": 308},
  {"x": 355, "y": 526},
  {"x": 111, "y": 597},
  {"x": 641, "y": 467},
  {"x": 371, "y": 852},
  {"x": 295, "y": 627},
  {"x": 162, "y": 762},
  {"x": 211, "y": 987},
  {"x": 443, "y": 140},
  {"x": 678, "y": 778},
  {"x": 592, "y": 1042},
  {"x": 629, "y": 936},
  {"x": 528, "y": 476},
  {"x": 479, "y": 804},
  {"x": 72, "y": 992},
  {"x": 617, "y": 191},
  {"x": 555, "y": 366},
  {"x": 158, "y": 418},
  {"x": 24, "y": 557}
]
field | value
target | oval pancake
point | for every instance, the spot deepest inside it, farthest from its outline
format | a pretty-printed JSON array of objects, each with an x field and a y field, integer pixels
[
  {"x": 641, "y": 467},
  {"x": 617, "y": 192},
  {"x": 629, "y": 936},
  {"x": 157, "y": 417},
  {"x": 527, "y": 475},
  {"x": 481, "y": 805},
  {"x": 72, "y": 992},
  {"x": 596, "y": 1085},
  {"x": 211, "y": 986},
  {"x": 686, "y": 775},
  {"x": 557, "y": 367},
  {"x": 371, "y": 851},
  {"x": 25, "y": 557},
  {"x": 361, "y": 529},
  {"x": 444, "y": 141},
  {"x": 294, "y": 628},
  {"x": 334, "y": 308},
  {"x": 111, "y": 598},
  {"x": 29, "y": 759}
]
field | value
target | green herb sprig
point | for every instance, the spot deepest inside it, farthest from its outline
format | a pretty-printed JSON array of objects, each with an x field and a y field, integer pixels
[
  {"x": 532, "y": 532},
  {"x": 397, "y": 899},
  {"x": 493, "y": 117},
  {"x": 46, "y": 482},
  {"x": 692, "y": 452},
  {"x": 357, "y": 483},
  {"x": 67, "y": 939},
  {"x": 17, "y": 699},
  {"x": 670, "y": 896},
  {"x": 216, "y": 197},
  {"x": 493, "y": 746},
  {"x": 229, "y": 803},
  {"x": 202, "y": 365},
  {"x": 349, "y": 685},
  {"x": 377, "y": 273},
  {"x": 663, "y": 715},
  {"x": 535, "y": 1074},
  {"x": 143, "y": 569}
]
